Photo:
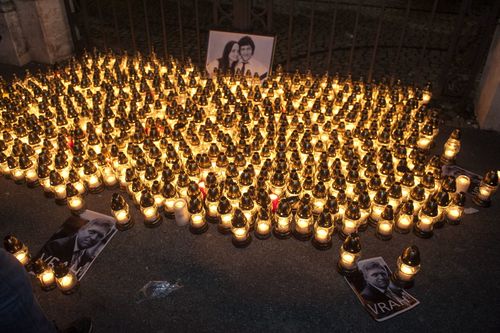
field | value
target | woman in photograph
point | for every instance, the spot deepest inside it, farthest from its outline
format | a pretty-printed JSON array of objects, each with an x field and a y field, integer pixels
[{"x": 228, "y": 61}]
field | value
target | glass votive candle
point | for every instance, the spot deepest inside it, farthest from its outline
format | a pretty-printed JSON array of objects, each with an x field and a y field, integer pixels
[
  {"x": 323, "y": 230},
  {"x": 463, "y": 183},
  {"x": 263, "y": 224},
  {"x": 181, "y": 213}
]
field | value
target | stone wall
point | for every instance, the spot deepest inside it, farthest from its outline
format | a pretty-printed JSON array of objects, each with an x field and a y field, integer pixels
[
  {"x": 488, "y": 98},
  {"x": 34, "y": 30}
]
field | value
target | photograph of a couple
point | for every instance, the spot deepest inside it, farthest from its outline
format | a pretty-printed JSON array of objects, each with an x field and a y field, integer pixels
[
  {"x": 79, "y": 241},
  {"x": 230, "y": 52},
  {"x": 374, "y": 288}
]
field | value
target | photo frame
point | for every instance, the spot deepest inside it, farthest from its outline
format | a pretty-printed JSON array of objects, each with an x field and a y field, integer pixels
[{"x": 230, "y": 52}]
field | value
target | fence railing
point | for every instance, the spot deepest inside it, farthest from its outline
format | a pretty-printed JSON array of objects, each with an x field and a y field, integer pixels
[{"x": 444, "y": 42}]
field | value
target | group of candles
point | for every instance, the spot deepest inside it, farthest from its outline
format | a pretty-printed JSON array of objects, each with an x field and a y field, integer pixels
[
  {"x": 296, "y": 154},
  {"x": 408, "y": 264},
  {"x": 49, "y": 277}
]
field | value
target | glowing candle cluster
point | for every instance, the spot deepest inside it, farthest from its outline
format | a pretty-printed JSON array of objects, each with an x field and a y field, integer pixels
[
  {"x": 48, "y": 277},
  {"x": 295, "y": 155}
]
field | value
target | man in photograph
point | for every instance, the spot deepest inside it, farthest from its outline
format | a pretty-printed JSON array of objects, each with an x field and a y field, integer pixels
[
  {"x": 378, "y": 287},
  {"x": 80, "y": 248},
  {"x": 247, "y": 62}
]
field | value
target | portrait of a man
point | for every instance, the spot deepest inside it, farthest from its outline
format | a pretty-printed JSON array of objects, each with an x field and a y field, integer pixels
[
  {"x": 378, "y": 286},
  {"x": 231, "y": 53},
  {"x": 79, "y": 241},
  {"x": 247, "y": 61},
  {"x": 373, "y": 286}
]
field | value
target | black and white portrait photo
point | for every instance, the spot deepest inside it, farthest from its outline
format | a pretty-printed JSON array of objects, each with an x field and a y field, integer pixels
[
  {"x": 380, "y": 297},
  {"x": 229, "y": 52},
  {"x": 79, "y": 241}
]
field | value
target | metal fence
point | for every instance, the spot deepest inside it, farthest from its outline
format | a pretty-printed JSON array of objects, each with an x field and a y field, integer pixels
[{"x": 441, "y": 41}]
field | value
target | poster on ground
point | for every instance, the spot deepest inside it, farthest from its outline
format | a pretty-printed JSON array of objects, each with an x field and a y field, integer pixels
[
  {"x": 376, "y": 292},
  {"x": 79, "y": 241}
]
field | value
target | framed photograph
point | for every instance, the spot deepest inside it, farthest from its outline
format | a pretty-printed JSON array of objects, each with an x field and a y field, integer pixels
[
  {"x": 229, "y": 52},
  {"x": 380, "y": 297},
  {"x": 79, "y": 241}
]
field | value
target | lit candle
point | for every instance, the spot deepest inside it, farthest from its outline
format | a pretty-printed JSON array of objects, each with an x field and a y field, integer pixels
[
  {"x": 224, "y": 209},
  {"x": 408, "y": 265},
  {"x": 463, "y": 183},
  {"x": 149, "y": 210},
  {"x": 263, "y": 228},
  {"x": 240, "y": 227},
  {"x": 248, "y": 208},
  {"x": 263, "y": 224},
  {"x": 321, "y": 235},
  {"x": 17, "y": 248},
  {"x": 304, "y": 219},
  {"x": 426, "y": 217},
  {"x": 349, "y": 226},
  {"x": 60, "y": 191},
  {"x": 283, "y": 224},
  {"x": 170, "y": 196},
  {"x": 350, "y": 252},
  {"x": 425, "y": 223},
  {"x": 404, "y": 222},
  {"x": 120, "y": 210},
  {"x": 74, "y": 199},
  {"x": 484, "y": 193},
  {"x": 351, "y": 220},
  {"x": 122, "y": 216},
  {"x": 169, "y": 205},
  {"x": 302, "y": 225},
  {"x": 197, "y": 220},
  {"x": 225, "y": 220},
  {"x": 240, "y": 234},
  {"x": 451, "y": 148},
  {"x": 380, "y": 200},
  {"x": 347, "y": 260},
  {"x": 44, "y": 274},
  {"x": 32, "y": 177},
  {"x": 149, "y": 213},
  {"x": 323, "y": 230},
  {"x": 424, "y": 143},
  {"x": 455, "y": 210},
  {"x": 65, "y": 278},
  {"x": 384, "y": 228},
  {"x": 282, "y": 228},
  {"x": 22, "y": 257},
  {"x": 47, "y": 278},
  {"x": 453, "y": 213},
  {"x": 181, "y": 213},
  {"x": 212, "y": 209},
  {"x": 94, "y": 181},
  {"x": 75, "y": 203},
  {"x": 110, "y": 180},
  {"x": 487, "y": 187}
]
